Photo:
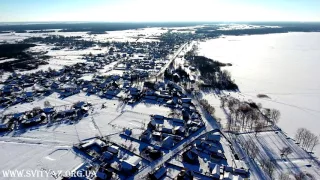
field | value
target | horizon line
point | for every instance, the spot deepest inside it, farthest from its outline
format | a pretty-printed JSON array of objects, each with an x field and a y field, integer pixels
[{"x": 46, "y": 22}]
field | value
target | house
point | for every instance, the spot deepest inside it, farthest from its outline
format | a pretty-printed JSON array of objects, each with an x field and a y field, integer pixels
[
  {"x": 112, "y": 92},
  {"x": 158, "y": 117},
  {"x": 104, "y": 174},
  {"x": 134, "y": 91},
  {"x": 191, "y": 156},
  {"x": 179, "y": 130},
  {"x": 213, "y": 136},
  {"x": 153, "y": 153},
  {"x": 215, "y": 172},
  {"x": 227, "y": 176},
  {"x": 72, "y": 113},
  {"x": 165, "y": 129},
  {"x": 145, "y": 136},
  {"x": 83, "y": 106},
  {"x": 237, "y": 177},
  {"x": 107, "y": 155},
  {"x": 184, "y": 175},
  {"x": 194, "y": 123},
  {"x": 158, "y": 174},
  {"x": 132, "y": 163},
  {"x": 241, "y": 171},
  {"x": 48, "y": 110},
  {"x": 176, "y": 120},
  {"x": 113, "y": 149},
  {"x": 157, "y": 135},
  {"x": 95, "y": 144},
  {"x": 150, "y": 97},
  {"x": 168, "y": 142},
  {"x": 186, "y": 100},
  {"x": 194, "y": 116}
]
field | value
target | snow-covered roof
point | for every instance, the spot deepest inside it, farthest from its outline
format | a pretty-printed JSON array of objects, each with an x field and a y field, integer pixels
[{"x": 132, "y": 161}]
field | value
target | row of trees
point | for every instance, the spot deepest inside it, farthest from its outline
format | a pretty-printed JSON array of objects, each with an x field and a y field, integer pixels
[
  {"x": 306, "y": 139},
  {"x": 205, "y": 104}
]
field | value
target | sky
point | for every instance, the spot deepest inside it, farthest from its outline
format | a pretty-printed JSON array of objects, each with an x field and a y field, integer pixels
[{"x": 158, "y": 10}]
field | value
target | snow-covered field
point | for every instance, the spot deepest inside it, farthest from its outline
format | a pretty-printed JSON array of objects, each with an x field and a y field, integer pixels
[
  {"x": 282, "y": 66},
  {"x": 46, "y": 158}
]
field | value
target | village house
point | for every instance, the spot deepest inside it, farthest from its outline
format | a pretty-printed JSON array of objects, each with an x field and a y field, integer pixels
[
  {"x": 158, "y": 173},
  {"x": 104, "y": 174},
  {"x": 131, "y": 164}
]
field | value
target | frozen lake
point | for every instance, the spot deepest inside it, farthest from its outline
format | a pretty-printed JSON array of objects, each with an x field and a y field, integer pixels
[{"x": 283, "y": 66}]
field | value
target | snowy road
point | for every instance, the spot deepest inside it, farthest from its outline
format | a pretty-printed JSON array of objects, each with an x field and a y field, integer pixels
[
  {"x": 181, "y": 146},
  {"x": 171, "y": 60}
]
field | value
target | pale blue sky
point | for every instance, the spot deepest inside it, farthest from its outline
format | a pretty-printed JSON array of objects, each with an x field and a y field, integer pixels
[{"x": 159, "y": 10}]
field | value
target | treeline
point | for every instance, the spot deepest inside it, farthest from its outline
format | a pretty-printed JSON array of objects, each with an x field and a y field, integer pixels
[
  {"x": 65, "y": 41},
  {"x": 214, "y": 31},
  {"x": 15, "y": 50},
  {"x": 205, "y": 104},
  {"x": 103, "y": 26},
  {"x": 24, "y": 60}
]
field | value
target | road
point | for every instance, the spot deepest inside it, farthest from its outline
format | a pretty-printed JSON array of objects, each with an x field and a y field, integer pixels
[
  {"x": 161, "y": 72},
  {"x": 210, "y": 124},
  {"x": 180, "y": 147}
]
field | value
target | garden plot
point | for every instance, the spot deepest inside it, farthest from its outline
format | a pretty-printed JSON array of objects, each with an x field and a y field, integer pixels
[
  {"x": 149, "y": 109},
  {"x": 131, "y": 119},
  {"x": 269, "y": 145}
]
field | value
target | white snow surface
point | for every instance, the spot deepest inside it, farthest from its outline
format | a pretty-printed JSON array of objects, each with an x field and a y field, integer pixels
[{"x": 282, "y": 66}]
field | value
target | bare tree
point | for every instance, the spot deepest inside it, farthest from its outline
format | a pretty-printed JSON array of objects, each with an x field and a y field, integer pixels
[
  {"x": 315, "y": 141},
  {"x": 251, "y": 148},
  {"x": 284, "y": 176},
  {"x": 285, "y": 151},
  {"x": 47, "y": 104},
  {"x": 299, "y": 176},
  {"x": 306, "y": 138},
  {"x": 274, "y": 116},
  {"x": 300, "y": 134},
  {"x": 258, "y": 127},
  {"x": 268, "y": 167},
  {"x": 267, "y": 114}
]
